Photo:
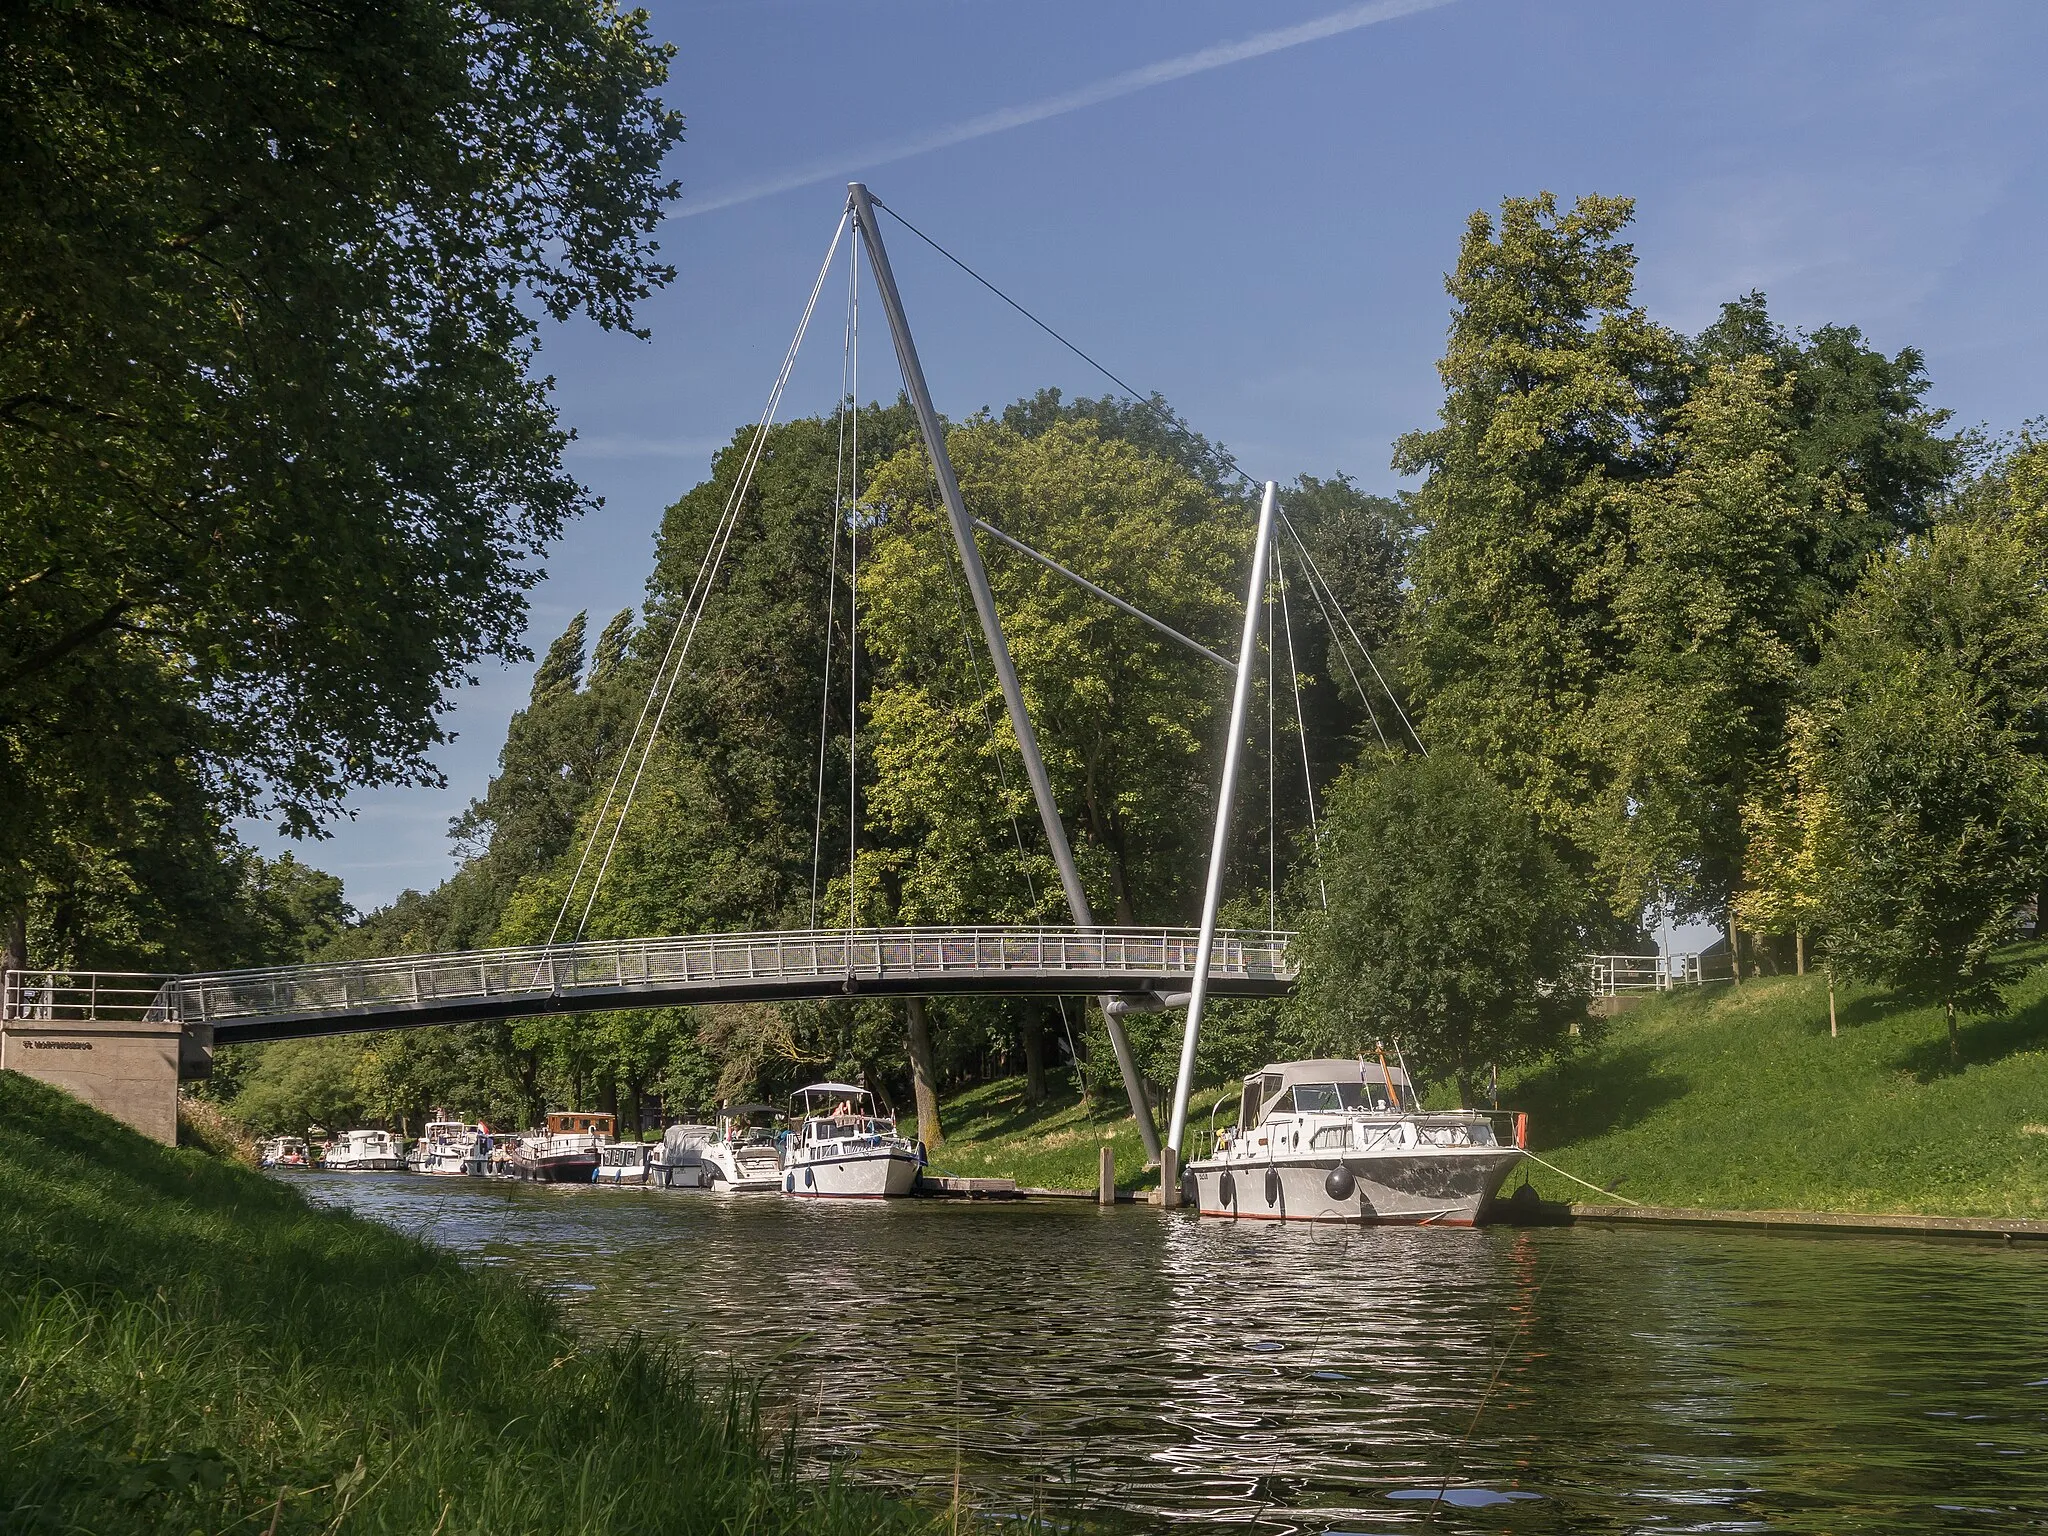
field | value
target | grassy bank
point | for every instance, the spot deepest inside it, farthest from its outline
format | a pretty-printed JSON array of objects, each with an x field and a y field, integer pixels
[
  {"x": 1727, "y": 1098},
  {"x": 1738, "y": 1099},
  {"x": 187, "y": 1346}
]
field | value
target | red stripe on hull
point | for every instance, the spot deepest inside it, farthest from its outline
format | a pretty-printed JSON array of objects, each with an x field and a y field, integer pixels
[{"x": 1346, "y": 1221}]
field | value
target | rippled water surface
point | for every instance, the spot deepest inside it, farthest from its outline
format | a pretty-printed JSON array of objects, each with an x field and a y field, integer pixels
[{"x": 1143, "y": 1369}]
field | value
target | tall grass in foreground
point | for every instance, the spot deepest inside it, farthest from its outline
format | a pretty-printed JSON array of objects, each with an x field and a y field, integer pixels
[{"x": 187, "y": 1346}]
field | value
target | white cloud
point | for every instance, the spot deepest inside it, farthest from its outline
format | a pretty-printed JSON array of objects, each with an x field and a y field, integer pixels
[{"x": 1002, "y": 119}]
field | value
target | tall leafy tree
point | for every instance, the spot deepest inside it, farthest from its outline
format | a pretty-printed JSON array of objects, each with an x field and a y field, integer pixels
[
  {"x": 1452, "y": 927},
  {"x": 1556, "y": 387},
  {"x": 1927, "y": 734},
  {"x": 275, "y": 463}
]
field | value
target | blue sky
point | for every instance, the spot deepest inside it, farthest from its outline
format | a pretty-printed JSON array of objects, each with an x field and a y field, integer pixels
[{"x": 1251, "y": 208}]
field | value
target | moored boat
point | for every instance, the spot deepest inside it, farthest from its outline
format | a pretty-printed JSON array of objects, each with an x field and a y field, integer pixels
[
  {"x": 623, "y": 1162},
  {"x": 678, "y": 1159},
  {"x": 1348, "y": 1141},
  {"x": 564, "y": 1150},
  {"x": 746, "y": 1154},
  {"x": 846, "y": 1150},
  {"x": 283, "y": 1152},
  {"x": 366, "y": 1152},
  {"x": 450, "y": 1147}
]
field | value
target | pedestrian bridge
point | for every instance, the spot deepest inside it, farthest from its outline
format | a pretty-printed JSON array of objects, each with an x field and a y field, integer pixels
[{"x": 402, "y": 991}]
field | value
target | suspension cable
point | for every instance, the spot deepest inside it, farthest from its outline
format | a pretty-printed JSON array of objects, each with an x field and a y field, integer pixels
[
  {"x": 684, "y": 632},
  {"x": 853, "y": 614},
  {"x": 1219, "y": 455},
  {"x": 1316, "y": 574},
  {"x": 1308, "y": 779},
  {"x": 831, "y": 598}
]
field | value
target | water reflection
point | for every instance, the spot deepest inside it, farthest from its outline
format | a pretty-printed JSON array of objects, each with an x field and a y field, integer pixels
[{"x": 1272, "y": 1378}]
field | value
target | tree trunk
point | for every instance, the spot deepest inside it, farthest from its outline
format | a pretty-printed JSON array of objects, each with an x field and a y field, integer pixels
[
  {"x": 1034, "y": 1057},
  {"x": 1799, "y": 948},
  {"x": 924, "y": 1076},
  {"x": 1467, "y": 1099},
  {"x": 14, "y": 941},
  {"x": 1955, "y": 1040},
  {"x": 632, "y": 1109},
  {"x": 1832, "y": 1031}
]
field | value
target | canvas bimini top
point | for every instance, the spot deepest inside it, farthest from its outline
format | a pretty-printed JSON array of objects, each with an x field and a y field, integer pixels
[{"x": 1347, "y": 1084}]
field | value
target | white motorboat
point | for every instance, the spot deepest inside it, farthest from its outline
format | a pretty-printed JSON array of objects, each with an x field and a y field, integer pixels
[
  {"x": 678, "y": 1160},
  {"x": 745, "y": 1155},
  {"x": 283, "y": 1152},
  {"x": 846, "y": 1150},
  {"x": 623, "y": 1162},
  {"x": 1349, "y": 1141},
  {"x": 450, "y": 1147},
  {"x": 367, "y": 1152},
  {"x": 564, "y": 1150}
]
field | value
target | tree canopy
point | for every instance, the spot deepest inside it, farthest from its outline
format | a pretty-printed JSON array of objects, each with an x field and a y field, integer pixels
[{"x": 277, "y": 462}]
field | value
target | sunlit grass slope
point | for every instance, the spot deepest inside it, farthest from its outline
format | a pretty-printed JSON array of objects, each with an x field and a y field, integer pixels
[
  {"x": 1738, "y": 1099},
  {"x": 991, "y": 1132},
  {"x": 1726, "y": 1098},
  {"x": 187, "y": 1346}
]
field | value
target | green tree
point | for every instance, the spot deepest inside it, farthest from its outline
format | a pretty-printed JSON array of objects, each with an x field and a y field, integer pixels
[
  {"x": 1452, "y": 926},
  {"x": 1557, "y": 386},
  {"x": 1927, "y": 738},
  {"x": 274, "y": 460}
]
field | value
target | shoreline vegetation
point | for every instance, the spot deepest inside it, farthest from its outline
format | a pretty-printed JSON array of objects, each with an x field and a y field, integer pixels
[
  {"x": 1725, "y": 1098},
  {"x": 191, "y": 1346}
]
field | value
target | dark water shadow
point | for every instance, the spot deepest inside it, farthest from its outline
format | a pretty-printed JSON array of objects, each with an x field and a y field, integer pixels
[{"x": 1599, "y": 1091}]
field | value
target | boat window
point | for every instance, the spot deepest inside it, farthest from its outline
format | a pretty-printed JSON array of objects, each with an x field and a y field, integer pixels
[
  {"x": 1330, "y": 1136},
  {"x": 1367, "y": 1096},
  {"x": 1316, "y": 1097}
]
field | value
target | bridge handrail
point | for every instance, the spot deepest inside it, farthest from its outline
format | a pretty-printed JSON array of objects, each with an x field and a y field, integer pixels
[{"x": 565, "y": 969}]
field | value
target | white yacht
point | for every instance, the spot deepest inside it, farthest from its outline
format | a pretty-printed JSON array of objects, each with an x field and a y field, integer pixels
[
  {"x": 678, "y": 1159},
  {"x": 367, "y": 1152},
  {"x": 1349, "y": 1141},
  {"x": 746, "y": 1153},
  {"x": 623, "y": 1162},
  {"x": 283, "y": 1152},
  {"x": 846, "y": 1150},
  {"x": 450, "y": 1147}
]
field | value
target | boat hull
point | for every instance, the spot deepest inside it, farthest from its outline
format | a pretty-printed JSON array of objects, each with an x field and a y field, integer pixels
[
  {"x": 556, "y": 1168},
  {"x": 1447, "y": 1187},
  {"x": 745, "y": 1171},
  {"x": 367, "y": 1165},
  {"x": 883, "y": 1174}
]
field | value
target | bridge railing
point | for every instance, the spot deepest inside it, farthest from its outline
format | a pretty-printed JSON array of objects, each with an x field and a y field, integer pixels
[
  {"x": 129, "y": 997},
  {"x": 614, "y": 965}
]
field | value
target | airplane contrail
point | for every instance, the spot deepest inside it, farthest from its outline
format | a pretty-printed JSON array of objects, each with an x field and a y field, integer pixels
[{"x": 1144, "y": 77}]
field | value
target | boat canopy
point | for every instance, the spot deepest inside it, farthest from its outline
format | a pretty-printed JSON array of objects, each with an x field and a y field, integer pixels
[
  {"x": 1269, "y": 1082},
  {"x": 833, "y": 1088}
]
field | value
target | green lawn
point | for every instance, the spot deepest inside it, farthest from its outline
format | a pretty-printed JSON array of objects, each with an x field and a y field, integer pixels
[
  {"x": 187, "y": 1346},
  {"x": 1723, "y": 1098},
  {"x": 1738, "y": 1099}
]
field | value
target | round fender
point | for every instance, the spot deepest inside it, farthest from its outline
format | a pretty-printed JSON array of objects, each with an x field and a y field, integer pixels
[
  {"x": 1190, "y": 1190},
  {"x": 1340, "y": 1185},
  {"x": 789, "y": 1183},
  {"x": 1272, "y": 1186},
  {"x": 810, "y": 1178},
  {"x": 1226, "y": 1188}
]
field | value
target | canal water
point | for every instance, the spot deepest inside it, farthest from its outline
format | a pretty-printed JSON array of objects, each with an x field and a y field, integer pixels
[{"x": 1139, "y": 1370}]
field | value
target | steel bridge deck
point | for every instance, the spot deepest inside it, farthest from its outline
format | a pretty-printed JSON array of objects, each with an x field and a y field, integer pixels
[{"x": 401, "y": 991}]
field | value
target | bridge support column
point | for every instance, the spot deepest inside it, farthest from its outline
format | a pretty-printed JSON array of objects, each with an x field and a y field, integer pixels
[{"x": 127, "y": 1069}]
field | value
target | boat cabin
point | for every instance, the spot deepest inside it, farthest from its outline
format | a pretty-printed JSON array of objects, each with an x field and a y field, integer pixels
[
  {"x": 571, "y": 1123},
  {"x": 1324, "y": 1087}
]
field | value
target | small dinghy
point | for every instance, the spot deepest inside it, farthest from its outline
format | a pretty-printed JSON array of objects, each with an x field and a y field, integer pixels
[
  {"x": 1349, "y": 1141},
  {"x": 846, "y": 1149}
]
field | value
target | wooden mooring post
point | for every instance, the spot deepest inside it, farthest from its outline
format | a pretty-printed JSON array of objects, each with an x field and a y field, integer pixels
[{"x": 1105, "y": 1176}]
